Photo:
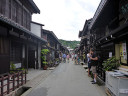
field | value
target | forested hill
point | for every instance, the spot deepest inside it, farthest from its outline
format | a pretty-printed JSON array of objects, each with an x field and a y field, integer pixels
[{"x": 71, "y": 44}]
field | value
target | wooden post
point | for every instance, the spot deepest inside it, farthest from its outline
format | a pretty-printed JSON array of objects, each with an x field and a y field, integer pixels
[
  {"x": 13, "y": 81},
  {"x": 8, "y": 84},
  {"x": 25, "y": 76},
  {"x": 22, "y": 78},
  {"x": 18, "y": 79},
  {"x": 2, "y": 87}
]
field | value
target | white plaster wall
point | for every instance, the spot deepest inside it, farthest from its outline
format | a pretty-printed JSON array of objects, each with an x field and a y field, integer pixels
[{"x": 36, "y": 29}]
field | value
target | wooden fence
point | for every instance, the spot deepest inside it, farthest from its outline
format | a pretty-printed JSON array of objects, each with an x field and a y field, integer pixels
[{"x": 9, "y": 82}]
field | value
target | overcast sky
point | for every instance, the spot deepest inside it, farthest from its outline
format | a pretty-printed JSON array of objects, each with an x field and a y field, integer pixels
[{"x": 65, "y": 17}]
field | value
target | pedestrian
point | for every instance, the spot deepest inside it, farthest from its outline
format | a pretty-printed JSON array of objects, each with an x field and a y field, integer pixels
[
  {"x": 68, "y": 56},
  {"x": 94, "y": 61},
  {"x": 60, "y": 57},
  {"x": 89, "y": 63},
  {"x": 78, "y": 59},
  {"x": 64, "y": 58},
  {"x": 72, "y": 56},
  {"x": 75, "y": 58}
]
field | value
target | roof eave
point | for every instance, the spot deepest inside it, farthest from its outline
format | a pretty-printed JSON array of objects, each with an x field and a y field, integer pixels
[{"x": 36, "y": 9}]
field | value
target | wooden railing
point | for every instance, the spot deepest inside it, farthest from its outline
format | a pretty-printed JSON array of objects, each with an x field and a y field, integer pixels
[
  {"x": 101, "y": 73},
  {"x": 9, "y": 82}
]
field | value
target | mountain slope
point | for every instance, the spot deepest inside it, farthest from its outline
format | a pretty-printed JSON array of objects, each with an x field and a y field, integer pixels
[{"x": 71, "y": 44}]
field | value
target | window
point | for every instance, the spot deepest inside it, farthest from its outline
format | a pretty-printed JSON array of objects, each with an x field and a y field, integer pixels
[
  {"x": 10, "y": 9},
  {"x": 121, "y": 52},
  {"x": 28, "y": 20},
  {"x": 16, "y": 52},
  {"x": 14, "y": 7},
  {"x": 24, "y": 18},
  {"x": 4, "y": 46},
  {"x": 2, "y": 6},
  {"x": 19, "y": 14}
]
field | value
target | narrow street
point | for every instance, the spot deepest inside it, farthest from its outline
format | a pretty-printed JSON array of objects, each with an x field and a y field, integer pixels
[{"x": 67, "y": 79}]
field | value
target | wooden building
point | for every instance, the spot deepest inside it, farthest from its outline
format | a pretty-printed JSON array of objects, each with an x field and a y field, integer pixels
[
  {"x": 18, "y": 45},
  {"x": 109, "y": 32},
  {"x": 36, "y": 28},
  {"x": 85, "y": 40},
  {"x": 53, "y": 45}
]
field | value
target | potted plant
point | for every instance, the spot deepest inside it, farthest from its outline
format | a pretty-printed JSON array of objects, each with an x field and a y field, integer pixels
[
  {"x": 44, "y": 52},
  {"x": 111, "y": 63},
  {"x": 12, "y": 68},
  {"x": 45, "y": 65}
]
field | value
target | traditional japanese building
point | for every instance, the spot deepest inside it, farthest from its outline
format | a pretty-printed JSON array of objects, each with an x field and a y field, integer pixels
[
  {"x": 18, "y": 45},
  {"x": 53, "y": 44},
  {"x": 85, "y": 40},
  {"x": 109, "y": 32},
  {"x": 36, "y": 28}
]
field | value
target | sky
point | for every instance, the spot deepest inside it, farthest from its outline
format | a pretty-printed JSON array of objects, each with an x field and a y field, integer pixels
[{"x": 65, "y": 17}]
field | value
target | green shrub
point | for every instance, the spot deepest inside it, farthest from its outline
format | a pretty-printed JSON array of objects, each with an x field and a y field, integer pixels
[
  {"x": 111, "y": 63},
  {"x": 44, "y": 52},
  {"x": 12, "y": 66},
  {"x": 45, "y": 63}
]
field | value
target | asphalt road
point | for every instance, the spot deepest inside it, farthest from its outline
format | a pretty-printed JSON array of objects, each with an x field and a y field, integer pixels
[{"x": 67, "y": 79}]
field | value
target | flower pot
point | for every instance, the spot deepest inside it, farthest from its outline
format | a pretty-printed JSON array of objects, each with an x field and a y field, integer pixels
[{"x": 45, "y": 67}]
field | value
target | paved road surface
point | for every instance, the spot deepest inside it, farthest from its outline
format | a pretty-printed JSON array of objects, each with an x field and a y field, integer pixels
[{"x": 67, "y": 80}]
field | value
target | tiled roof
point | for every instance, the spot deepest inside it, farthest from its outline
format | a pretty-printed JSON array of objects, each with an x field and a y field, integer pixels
[{"x": 19, "y": 27}]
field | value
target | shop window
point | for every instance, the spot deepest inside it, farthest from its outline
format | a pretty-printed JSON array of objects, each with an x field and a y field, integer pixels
[{"x": 121, "y": 52}]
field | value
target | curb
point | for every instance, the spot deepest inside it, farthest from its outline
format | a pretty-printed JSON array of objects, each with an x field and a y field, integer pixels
[{"x": 29, "y": 90}]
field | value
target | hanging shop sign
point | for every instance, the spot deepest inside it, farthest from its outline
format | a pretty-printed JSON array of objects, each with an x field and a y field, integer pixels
[{"x": 123, "y": 50}]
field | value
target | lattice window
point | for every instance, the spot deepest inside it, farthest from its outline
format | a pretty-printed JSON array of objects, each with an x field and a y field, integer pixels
[
  {"x": 16, "y": 52},
  {"x": 4, "y": 46}
]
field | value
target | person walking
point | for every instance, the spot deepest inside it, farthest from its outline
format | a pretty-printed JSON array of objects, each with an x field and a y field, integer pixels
[
  {"x": 89, "y": 63},
  {"x": 78, "y": 58},
  {"x": 68, "y": 56},
  {"x": 75, "y": 58},
  {"x": 64, "y": 58},
  {"x": 72, "y": 56},
  {"x": 94, "y": 61},
  {"x": 60, "y": 57}
]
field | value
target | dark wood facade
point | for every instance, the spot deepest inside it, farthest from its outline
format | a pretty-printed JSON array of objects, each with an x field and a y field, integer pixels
[
  {"x": 17, "y": 43},
  {"x": 85, "y": 40},
  {"x": 109, "y": 31},
  {"x": 16, "y": 11},
  {"x": 53, "y": 45}
]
